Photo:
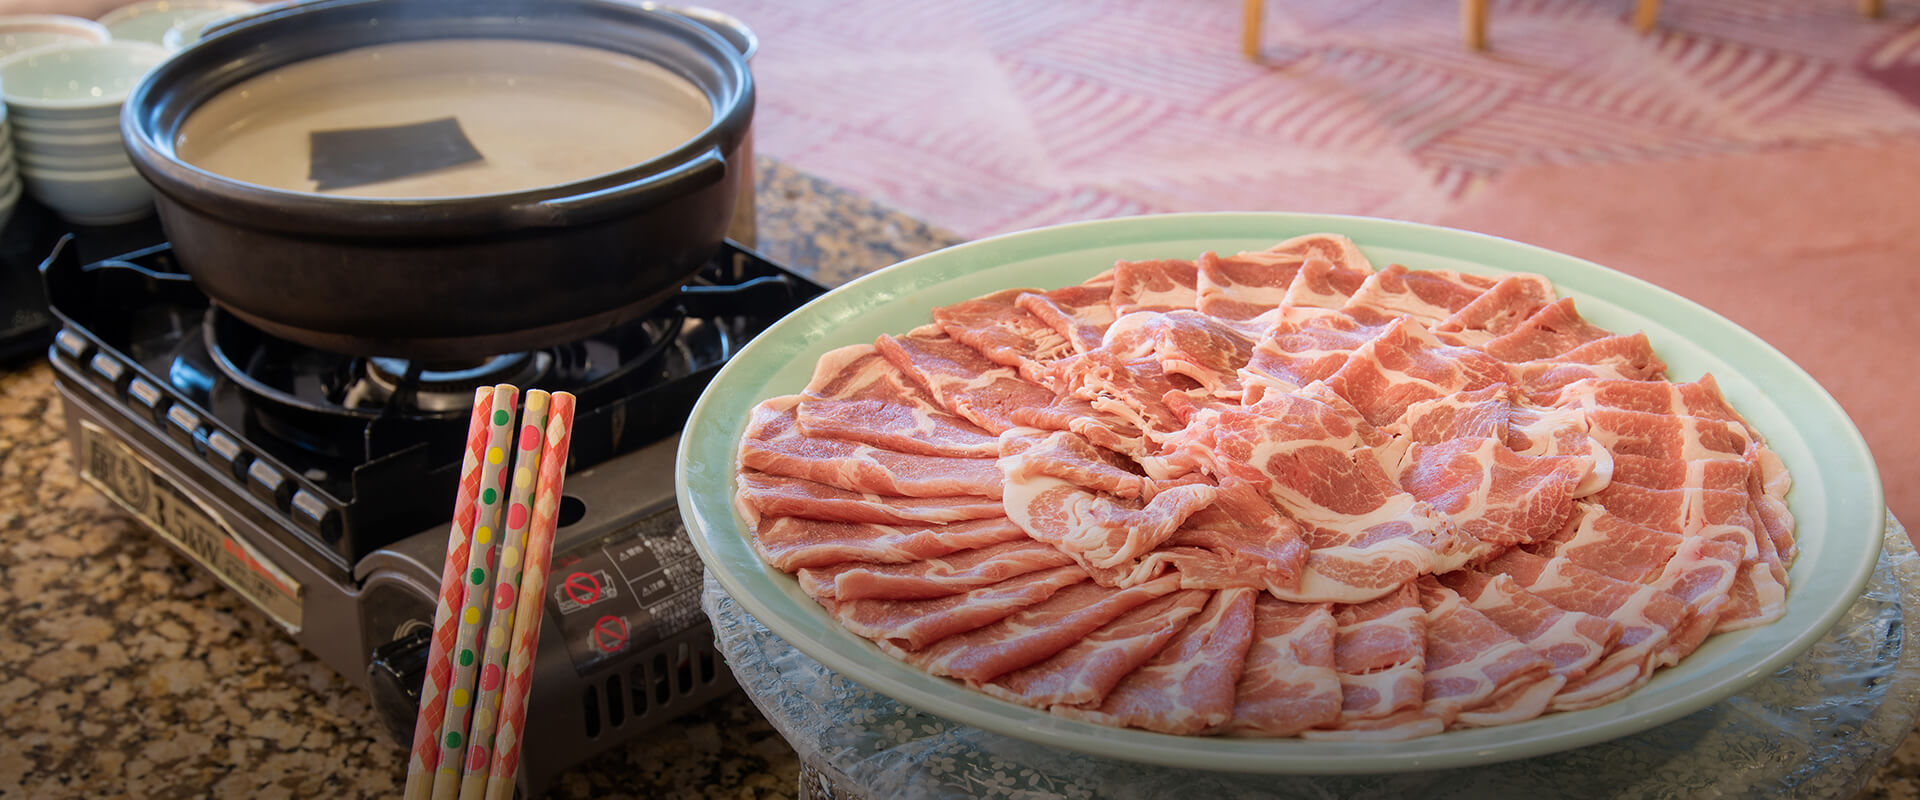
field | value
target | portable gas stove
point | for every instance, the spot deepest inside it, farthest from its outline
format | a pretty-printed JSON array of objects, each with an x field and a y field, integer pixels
[{"x": 319, "y": 486}]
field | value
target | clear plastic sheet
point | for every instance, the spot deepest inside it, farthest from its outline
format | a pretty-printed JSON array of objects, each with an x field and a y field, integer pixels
[{"x": 1818, "y": 728}]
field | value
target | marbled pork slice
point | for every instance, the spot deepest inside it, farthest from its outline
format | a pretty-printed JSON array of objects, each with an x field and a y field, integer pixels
[
  {"x": 1552, "y": 329},
  {"x": 1157, "y": 285},
  {"x": 1187, "y": 687},
  {"x": 1471, "y": 662},
  {"x": 1004, "y": 332},
  {"x": 860, "y": 397},
  {"x": 963, "y": 381},
  {"x": 1497, "y": 312},
  {"x": 1494, "y": 494},
  {"x": 1036, "y": 633},
  {"x": 1428, "y": 296},
  {"x": 773, "y": 444},
  {"x": 1289, "y": 683},
  {"x": 793, "y": 543},
  {"x": 939, "y": 576},
  {"x": 1574, "y": 641},
  {"x": 1380, "y": 653},
  {"x": 780, "y": 496},
  {"x": 1088, "y": 669},
  {"x": 913, "y": 624}
]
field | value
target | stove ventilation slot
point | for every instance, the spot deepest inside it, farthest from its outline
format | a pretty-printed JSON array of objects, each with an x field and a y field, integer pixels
[{"x": 665, "y": 681}]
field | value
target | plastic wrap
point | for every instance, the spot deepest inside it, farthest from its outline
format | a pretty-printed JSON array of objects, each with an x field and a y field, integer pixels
[{"x": 1819, "y": 727}]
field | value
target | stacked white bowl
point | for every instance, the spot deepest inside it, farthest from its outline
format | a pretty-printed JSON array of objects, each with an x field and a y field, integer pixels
[
  {"x": 19, "y": 34},
  {"x": 151, "y": 21},
  {"x": 63, "y": 103}
]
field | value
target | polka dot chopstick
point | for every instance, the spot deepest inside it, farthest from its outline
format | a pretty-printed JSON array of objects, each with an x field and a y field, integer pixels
[
  {"x": 478, "y": 578},
  {"x": 526, "y": 629},
  {"x": 493, "y": 662},
  {"x": 425, "y": 756}
]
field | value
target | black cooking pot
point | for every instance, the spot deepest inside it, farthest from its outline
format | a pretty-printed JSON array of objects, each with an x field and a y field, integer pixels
[{"x": 445, "y": 277}]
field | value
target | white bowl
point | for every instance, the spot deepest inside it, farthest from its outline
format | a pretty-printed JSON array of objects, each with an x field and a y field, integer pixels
[
  {"x": 150, "y": 21},
  {"x": 88, "y": 163},
  {"x": 69, "y": 145},
  {"x": 24, "y": 32},
  {"x": 93, "y": 197},
  {"x": 76, "y": 81},
  {"x": 80, "y": 126},
  {"x": 190, "y": 28}
]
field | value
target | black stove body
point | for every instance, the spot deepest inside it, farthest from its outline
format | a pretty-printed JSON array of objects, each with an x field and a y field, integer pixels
[{"x": 319, "y": 486}]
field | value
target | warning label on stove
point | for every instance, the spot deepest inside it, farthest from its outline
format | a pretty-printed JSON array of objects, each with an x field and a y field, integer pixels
[
  {"x": 194, "y": 530},
  {"x": 626, "y": 590}
]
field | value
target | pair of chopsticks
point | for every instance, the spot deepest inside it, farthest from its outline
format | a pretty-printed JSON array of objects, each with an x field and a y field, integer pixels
[{"x": 466, "y": 742}]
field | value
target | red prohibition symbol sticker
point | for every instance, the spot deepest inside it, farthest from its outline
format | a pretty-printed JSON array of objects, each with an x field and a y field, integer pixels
[
  {"x": 610, "y": 634},
  {"x": 582, "y": 588}
]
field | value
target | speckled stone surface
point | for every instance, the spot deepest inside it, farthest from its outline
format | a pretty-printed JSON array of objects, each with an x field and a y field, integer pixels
[{"x": 124, "y": 671}]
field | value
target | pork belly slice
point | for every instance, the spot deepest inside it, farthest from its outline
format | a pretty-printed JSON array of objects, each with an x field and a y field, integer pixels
[
  {"x": 1029, "y": 452},
  {"x": 1366, "y": 536},
  {"x": 923, "y": 430},
  {"x": 1300, "y": 349},
  {"x": 1657, "y": 627},
  {"x": 939, "y": 576},
  {"x": 780, "y": 496},
  {"x": 1206, "y": 351},
  {"x": 1004, "y": 332},
  {"x": 1656, "y": 472},
  {"x": 1094, "y": 425},
  {"x": 1122, "y": 385},
  {"x": 1379, "y": 653},
  {"x": 1429, "y": 296},
  {"x": 1493, "y": 494},
  {"x": 1188, "y": 686},
  {"x": 1158, "y": 285},
  {"x": 961, "y": 379},
  {"x": 1289, "y": 683},
  {"x": 773, "y": 444},
  {"x": 909, "y": 625},
  {"x": 1630, "y": 356},
  {"x": 1100, "y": 530},
  {"x": 1767, "y": 484},
  {"x": 1552, "y": 329},
  {"x": 794, "y": 543},
  {"x": 1498, "y": 311},
  {"x": 1701, "y": 398},
  {"x": 1324, "y": 283},
  {"x": 1406, "y": 364},
  {"x": 1758, "y": 593},
  {"x": 1756, "y": 598},
  {"x": 1698, "y": 570},
  {"x": 1574, "y": 641},
  {"x": 1033, "y": 634},
  {"x": 1087, "y": 670},
  {"x": 1244, "y": 286},
  {"x": 858, "y": 396},
  {"x": 1329, "y": 247},
  {"x": 1241, "y": 539},
  {"x": 1080, "y": 314},
  {"x": 1664, "y": 436},
  {"x": 1486, "y": 412},
  {"x": 1471, "y": 662}
]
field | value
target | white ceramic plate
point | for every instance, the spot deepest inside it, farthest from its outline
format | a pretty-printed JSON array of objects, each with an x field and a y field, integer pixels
[{"x": 1836, "y": 497}]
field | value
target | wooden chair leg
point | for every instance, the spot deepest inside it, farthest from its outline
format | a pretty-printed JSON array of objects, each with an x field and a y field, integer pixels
[
  {"x": 1473, "y": 23},
  {"x": 1646, "y": 15},
  {"x": 1870, "y": 9},
  {"x": 1250, "y": 30}
]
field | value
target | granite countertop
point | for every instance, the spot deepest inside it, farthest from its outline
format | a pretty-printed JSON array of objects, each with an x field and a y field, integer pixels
[{"x": 124, "y": 670}]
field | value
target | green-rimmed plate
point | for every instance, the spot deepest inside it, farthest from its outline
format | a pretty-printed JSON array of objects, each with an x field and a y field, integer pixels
[{"x": 1836, "y": 497}]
